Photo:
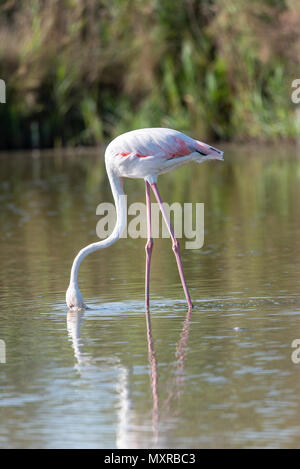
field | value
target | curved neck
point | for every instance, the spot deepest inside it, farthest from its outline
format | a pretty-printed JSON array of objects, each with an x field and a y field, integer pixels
[{"x": 121, "y": 209}]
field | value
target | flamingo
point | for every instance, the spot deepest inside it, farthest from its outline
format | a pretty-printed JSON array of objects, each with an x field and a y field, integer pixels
[{"x": 143, "y": 153}]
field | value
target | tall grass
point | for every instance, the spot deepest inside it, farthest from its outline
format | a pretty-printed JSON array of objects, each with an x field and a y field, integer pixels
[{"x": 79, "y": 72}]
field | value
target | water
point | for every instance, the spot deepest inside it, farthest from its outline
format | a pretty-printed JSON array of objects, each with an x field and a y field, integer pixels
[{"x": 116, "y": 378}]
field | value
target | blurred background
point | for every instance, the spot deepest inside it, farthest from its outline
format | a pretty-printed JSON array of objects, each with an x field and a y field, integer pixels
[{"x": 79, "y": 72}]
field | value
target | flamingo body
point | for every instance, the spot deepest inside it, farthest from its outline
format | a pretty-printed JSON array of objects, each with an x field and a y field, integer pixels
[
  {"x": 143, "y": 153},
  {"x": 146, "y": 153}
]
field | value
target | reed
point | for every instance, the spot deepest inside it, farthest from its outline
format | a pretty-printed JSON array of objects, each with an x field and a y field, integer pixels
[{"x": 80, "y": 72}]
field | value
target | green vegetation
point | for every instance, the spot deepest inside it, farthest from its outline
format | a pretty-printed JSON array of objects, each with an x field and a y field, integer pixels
[{"x": 81, "y": 71}]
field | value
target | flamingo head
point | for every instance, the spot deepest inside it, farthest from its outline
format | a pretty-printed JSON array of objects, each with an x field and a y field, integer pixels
[
  {"x": 209, "y": 152},
  {"x": 74, "y": 298}
]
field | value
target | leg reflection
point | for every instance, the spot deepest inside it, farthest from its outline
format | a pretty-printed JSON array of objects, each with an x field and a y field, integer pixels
[{"x": 153, "y": 368}]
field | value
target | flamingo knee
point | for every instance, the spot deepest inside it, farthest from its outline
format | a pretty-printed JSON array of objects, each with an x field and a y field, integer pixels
[
  {"x": 176, "y": 246},
  {"x": 149, "y": 246}
]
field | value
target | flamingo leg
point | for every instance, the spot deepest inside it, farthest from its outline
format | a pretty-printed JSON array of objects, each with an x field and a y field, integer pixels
[
  {"x": 175, "y": 244},
  {"x": 149, "y": 245}
]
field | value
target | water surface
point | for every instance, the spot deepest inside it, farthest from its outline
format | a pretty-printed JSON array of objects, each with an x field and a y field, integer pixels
[{"x": 113, "y": 377}]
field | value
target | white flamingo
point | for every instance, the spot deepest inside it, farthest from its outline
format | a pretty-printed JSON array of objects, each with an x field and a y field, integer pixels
[{"x": 143, "y": 153}]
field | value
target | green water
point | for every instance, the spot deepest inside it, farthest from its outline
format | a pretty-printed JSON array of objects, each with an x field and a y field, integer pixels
[{"x": 112, "y": 377}]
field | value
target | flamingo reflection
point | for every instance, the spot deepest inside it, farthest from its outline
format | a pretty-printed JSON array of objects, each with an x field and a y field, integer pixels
[{"x": 128, "y": 434}]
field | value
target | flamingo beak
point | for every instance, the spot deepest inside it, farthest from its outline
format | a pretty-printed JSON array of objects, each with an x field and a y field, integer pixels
[{"x": 218, "y": 155}]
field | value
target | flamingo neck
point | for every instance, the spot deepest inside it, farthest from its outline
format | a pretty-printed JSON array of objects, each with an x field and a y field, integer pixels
[{"x": 120, "y": 203}]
